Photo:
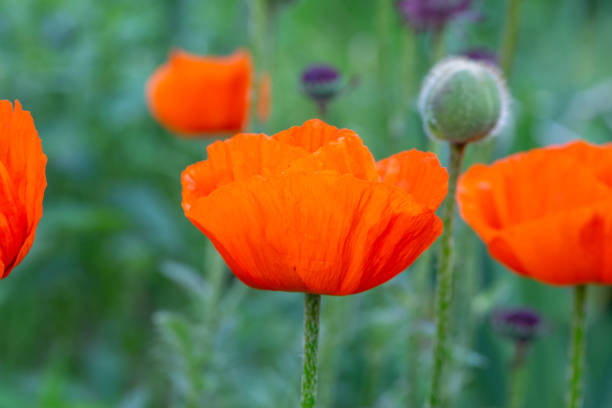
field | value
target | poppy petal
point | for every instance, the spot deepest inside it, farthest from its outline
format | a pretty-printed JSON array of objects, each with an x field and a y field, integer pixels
[
  {"x": 597, "y": 158},
  {"x": 366, "y": 233},
  {"x": 418, "y": 173},
  {"x": 564, "y": 249},
  {"x": 22, "y": 183},
  {"x": 192, "y": 94},
  {"x": 243, "y": 156},
  {"x": 346, "y": 155},
  {"x": 312, "y": 135},
  {"x": 524, "y": 188}
]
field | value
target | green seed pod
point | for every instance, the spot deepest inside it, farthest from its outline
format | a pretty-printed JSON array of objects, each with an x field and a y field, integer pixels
[{"x": 463, "y": 101}]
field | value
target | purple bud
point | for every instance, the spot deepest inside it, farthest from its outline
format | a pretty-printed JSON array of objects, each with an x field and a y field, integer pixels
[
  {"x": 431, "y": 14},
  {"x": 321, "y": 82},
  {"x": 520, "y": 324},
  {"x": 483, "y": 55}
]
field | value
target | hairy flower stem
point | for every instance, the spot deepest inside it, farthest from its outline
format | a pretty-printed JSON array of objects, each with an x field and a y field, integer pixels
[
  {"x": 576, "y": 357},
  {"x": 445, "y": 281},
  {"x": 312, "y": 308},
  {"x": 510, "y": 35}
]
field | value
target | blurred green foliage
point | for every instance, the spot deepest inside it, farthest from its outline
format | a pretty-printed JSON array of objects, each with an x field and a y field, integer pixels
[{"x": 121, "y": 303}]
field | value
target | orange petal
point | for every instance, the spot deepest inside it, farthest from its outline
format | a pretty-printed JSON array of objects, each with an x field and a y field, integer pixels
[
  {"x": 315, "y": 232},
  {"x": 243, "y": 156},
  {"x": 22, "y": 184},
  {"x": 312, "y": 135},
  {"x": 345, "y": 155},
  {"x": 594, "y": 157},
  {"x": 264, "y": 93},
  {"x": 193, "y": 94},
  {"x": 568, "y": 248},
  {"x": 418, "y": 173},
  {"x": 526, "y": 187}
]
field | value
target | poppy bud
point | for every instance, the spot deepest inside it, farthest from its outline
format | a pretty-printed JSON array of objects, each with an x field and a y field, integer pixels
[
  {"x": 463, "y": 101},
  {"x": 521, "y": 325},
  {"x": 321, "y": 82},
  {"x": 425, "y": 15}
]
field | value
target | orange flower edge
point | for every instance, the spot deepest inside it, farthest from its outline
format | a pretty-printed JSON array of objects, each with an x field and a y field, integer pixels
[
  {"x": 202, "y": 95},
  {"x": 546, "y": 213},
  {"x": 264, "y": 94},
  {"x": 306, "y": 210},
  {"x": 22, "y": 184}
]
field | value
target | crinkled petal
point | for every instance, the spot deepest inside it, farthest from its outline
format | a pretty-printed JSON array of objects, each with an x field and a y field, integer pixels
[
  {"x": 236, "y": 159},
  {"x": 312, "y": 135},
  {"x": 22, "y": 184},
  {"x": 596, "y": 158},
  {"x": 567, "y": 248},
  {"x": 418, "y": 173},
  {"x": 346, "y": 155},
  {"x": 524, "y": 188},
  {"x": 315, "y": 232}
]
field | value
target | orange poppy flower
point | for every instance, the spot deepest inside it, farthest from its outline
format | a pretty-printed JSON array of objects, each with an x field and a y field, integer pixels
[
  {"x": 309, "y": 210},
  {"x": 192, "y": 94},
  {"x": 22, "y": 184},
  {"x": 547, "y": 213}
]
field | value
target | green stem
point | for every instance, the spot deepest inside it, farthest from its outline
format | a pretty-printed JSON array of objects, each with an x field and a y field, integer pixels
[
  {"x": 515, "y": 399},
  {"x": 510, "y": 36},
  {"x": 576, "y": 359},
  {"x": 384, "y": 16},
  {"x": 312, "y": 307},
  {"x": 437, "y": 48},
  {"x": 259, "y": 16},
  {"x": 262, "y": 39},
  {"x": 517, "y": 376},
  {"x": 444, "y": 284}
]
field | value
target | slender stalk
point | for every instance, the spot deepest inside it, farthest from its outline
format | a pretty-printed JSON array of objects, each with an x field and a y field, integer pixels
[
  {"x": 517, "y": 376},
  {"x": 510, "y": 36},
  {"x": 515, "y": 399},
  {"x": 312, "y": 307},
  {"x": 385, "y": 88},
  {"x": 437, "y": 46},
  {"x": 444, "y": 284},
  {"x": 576, "y": 358},
  {"x": 262, "y": 22},
  {"x": 258, "y": 29}
]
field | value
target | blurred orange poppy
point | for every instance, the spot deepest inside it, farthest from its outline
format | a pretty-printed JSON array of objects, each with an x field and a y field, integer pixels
[
  {"x": 22, "y": 184},
  {"x": 263, "y": 97},
  {"x": 547, "y": 213},
  {"x": 192, "y": 94},
  {"x": 309, "y": 210}
]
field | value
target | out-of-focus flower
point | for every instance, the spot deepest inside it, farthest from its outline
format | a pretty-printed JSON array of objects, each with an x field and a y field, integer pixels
[
  {"x": 263, "y": 97},
  {"x": 200, "y": 95},
  {"x": 321, "y": 83},
  {"x": 431, "y": 14},
  {"x": 521, "y": 324},
  {"x": 22, "y": 184},
  {"x": 463, "y": 101},
  {"x": 546, "y": 213},
  {"x": 482, "y": 55},
  {"x": 309, "y": 210}
]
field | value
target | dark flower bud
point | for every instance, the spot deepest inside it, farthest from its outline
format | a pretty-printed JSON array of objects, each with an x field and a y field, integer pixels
[
  {"x": 520, "y": 325},
  {"x": 431, "y": 14},
  {"x": 321, "y": 82},
  {"x": 482, "y": 55}
]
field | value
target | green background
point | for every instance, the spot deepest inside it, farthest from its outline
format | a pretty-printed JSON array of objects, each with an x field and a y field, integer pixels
[{"x": 115, "y": 306}]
